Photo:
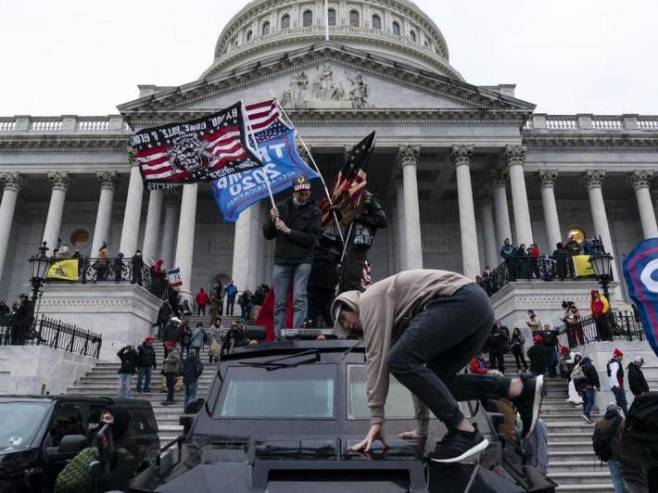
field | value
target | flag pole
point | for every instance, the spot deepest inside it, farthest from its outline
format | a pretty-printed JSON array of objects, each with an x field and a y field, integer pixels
[
  {"x": 267, "y": 179},
  {"x": 315, "y": 165}
]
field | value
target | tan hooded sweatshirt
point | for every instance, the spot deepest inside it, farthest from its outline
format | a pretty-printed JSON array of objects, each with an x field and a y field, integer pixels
[{"x": 385, "y": 309}]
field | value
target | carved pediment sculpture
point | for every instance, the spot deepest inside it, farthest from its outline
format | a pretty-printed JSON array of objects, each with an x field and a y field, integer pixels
[{"x": 325, "y": 91}]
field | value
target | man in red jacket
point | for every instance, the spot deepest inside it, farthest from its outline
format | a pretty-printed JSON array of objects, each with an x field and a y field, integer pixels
[{"x": 202, "y": 301}]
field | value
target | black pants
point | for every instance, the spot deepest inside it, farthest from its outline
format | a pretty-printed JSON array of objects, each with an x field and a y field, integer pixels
[
  {"x": 439, "y": 342},
  {"x": 201, "y": 310},
  {"x": 519, "y": 357},
  {"x": 230, "y": 305},
  {"x": 319, "y": 305},
  {"x": 352, "y": 272},
  {"x": 497, "y": 362},
  {"x": 171, "y": 384}
]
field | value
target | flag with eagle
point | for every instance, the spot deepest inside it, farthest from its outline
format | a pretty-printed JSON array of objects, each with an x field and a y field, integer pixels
[
  {"x": 196, "y": 151},
  {"x": 350, "y": 184}
]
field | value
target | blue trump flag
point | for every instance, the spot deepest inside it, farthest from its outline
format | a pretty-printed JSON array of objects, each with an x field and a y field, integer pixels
[
  {"x": 641, "y": 273},
  {"x": 281, "y": 164}
]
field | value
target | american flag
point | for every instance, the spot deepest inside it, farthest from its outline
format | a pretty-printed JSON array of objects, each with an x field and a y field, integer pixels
[
  {"x": 266, "y": 121},
  {"x": 350, "y": 184},
  {"x": 200, "y": 150}
]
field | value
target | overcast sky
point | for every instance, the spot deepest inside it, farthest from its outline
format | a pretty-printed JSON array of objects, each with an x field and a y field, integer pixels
[{"x": 567, "y": 56}]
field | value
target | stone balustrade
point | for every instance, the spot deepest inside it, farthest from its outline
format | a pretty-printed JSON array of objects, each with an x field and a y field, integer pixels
[
  {"x": 66, "y": 124},
  {"x": 588, "y": 122}
]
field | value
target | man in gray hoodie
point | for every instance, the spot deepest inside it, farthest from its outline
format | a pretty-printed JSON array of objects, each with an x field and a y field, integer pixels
[{"x": 424, "y": 326}]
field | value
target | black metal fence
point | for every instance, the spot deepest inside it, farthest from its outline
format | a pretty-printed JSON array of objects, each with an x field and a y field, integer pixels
[
  {"x": 117, "y": 270},
  {"x": 52, "y": 333},
  {"x": 525, "y": 268},
  {"x": 614, "y": 326}
]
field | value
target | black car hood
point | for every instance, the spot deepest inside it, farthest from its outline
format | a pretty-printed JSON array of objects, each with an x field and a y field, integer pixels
[{"x": 15, "y": 462}]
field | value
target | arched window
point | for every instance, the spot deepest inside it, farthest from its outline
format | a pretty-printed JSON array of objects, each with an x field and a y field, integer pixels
[
  {"x": 307, "y": 18},
  {"x": 396, "y": 28},
  {"x": 412, "y": 34},
  {"x": 285, "y": 22},
  {"x": 376, "y": 22},
  {"x": 332, "y": 17},
  {"x": 266, "y": 28},
  {"x": 427, "y": 44},
  {"x": 354, "y": 18},
  {"x": 250, "y": 34}
]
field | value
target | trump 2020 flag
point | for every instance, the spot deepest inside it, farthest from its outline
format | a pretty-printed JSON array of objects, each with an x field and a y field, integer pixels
[
  {"x": 281, "y": 163},
  {"x": 641, "y": 273},
  {"x": 196, "y": 151}
]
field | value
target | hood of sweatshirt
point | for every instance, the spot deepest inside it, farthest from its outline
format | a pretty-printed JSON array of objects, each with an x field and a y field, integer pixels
[{"x": 351, "y": 300}]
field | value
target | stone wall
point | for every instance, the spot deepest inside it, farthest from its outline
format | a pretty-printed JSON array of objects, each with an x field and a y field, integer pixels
[
  {"x": 40, "y": 369},
  {"x": 122, "y": 313}
]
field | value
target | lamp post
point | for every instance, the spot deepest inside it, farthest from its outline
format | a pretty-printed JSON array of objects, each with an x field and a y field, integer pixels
[
  {"x": 602, "y": 266},
  {"x": 40, "y": 265}
]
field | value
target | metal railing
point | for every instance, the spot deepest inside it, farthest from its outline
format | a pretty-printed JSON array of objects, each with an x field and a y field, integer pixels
[
  {"x": 117, "y": 270},
  {"x": 526, "y": 268},
  {"x": 52, "y": 333},
  {"x": 613, "y": 326}
]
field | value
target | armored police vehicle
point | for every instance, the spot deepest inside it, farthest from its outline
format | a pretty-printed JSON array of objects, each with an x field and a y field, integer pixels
[{"x": 281, "y": 417}]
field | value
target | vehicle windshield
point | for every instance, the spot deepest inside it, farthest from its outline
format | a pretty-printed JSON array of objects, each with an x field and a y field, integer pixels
[
  {"x": 20, "y": 421},
  {"x": 399, "y": 404},
  {"x": 298, "y": 392}
]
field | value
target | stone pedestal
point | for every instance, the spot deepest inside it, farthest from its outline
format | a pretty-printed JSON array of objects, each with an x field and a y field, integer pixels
[{"x": 122, "y": 313}]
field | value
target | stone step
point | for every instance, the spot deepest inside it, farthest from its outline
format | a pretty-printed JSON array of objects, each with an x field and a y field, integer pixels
[
  {"x": 569, "y": 436},
  {"x": 94, "y": 379},
  {"x": 570, "y": 455},
  {"x": 569, "y": 426},
  {"x": 556, "y": 466},
  {"x": 585, "y": 488},
  {"x": 581, "y": 477},
  {"x": 584, "y": 446}
]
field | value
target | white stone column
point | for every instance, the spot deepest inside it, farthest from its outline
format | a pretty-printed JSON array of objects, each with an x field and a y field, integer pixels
[
  {"x": 401, "y": 256},
  {"x": 408, "y": 157},
  {"x": 503, "y": 224},
  {"x": 594, "y": 182},
  {"x": 152, "y": 228},
  {"x": 488, "y": 229},
  {"x": 515, "y": 158},
  {"x": 59, "y": 181},
  {"x": 11, "y": 185},
  {"x": 461, "y": 158},
  {"x": 246, "y": 246},
  {"x": 641, "y": 180},
  {"x": 133, "y": 213},
  {"x": 171, "y": 200},
  {"x": 547, "y": 180},
  {"x": 185, "y": 245},
  {"x": 108, "y": 181}
]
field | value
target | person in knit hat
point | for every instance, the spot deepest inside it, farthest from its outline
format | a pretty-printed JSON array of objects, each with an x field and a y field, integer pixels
[
  {"x": 615, "y": 372},
  {"x": 146, "y": 362}
]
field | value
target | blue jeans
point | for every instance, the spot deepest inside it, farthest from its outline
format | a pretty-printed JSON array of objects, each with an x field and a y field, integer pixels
[
  {"x": 281, "y": 276},
  {"x": 617, "y": 479},
  {"x": 125, "y": 380},
  {"x": 588, "y": 401},
  {"x": 144, "y": 375},
  {"x": 190, "y": 393},
  {"x": 620, "y": 397}
]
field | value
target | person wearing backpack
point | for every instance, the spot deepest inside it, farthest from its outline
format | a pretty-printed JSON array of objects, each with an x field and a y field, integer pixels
[
  {"x": 605, "y": 444},
  {"x": 586, "y": 379},
  {"x": 198, "y": 338},
  {"x": 636, "y": 381},
  {"x": 615, "y": 372},
  {"x": 192, "y": 370}
]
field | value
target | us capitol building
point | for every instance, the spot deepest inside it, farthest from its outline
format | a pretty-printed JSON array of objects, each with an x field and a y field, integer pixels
[{"x": 459, "y": 167}]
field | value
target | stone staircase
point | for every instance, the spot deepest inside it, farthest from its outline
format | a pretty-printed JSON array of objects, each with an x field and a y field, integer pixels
[
  {"x": 572, "y": 462},
  {"x": 103, "y": 381}
]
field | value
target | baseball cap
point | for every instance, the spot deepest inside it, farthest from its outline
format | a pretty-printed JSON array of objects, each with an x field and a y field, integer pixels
[{"x": 301, "y": 183}]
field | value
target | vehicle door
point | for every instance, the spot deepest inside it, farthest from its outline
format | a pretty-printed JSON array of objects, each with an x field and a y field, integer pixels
[{"x": 67, "y": 420}]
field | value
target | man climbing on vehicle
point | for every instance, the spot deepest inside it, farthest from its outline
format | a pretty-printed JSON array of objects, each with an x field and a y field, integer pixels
[{"x": 424, "y": 326}]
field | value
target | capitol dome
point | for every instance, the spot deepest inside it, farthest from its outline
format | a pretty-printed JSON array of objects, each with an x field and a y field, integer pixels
[{"x": 397, "y": 29}]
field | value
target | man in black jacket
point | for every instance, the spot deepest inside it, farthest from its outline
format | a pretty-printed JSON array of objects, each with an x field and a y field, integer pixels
[
  {"x": 128, "y": 357},
  {"x": 369, "y": 217},
  {"x": 295, "y": 224},
  {"x": 636, "y": 381},
  {"x": 146, "y": 361},
  {"x": 324, "y": 277}
]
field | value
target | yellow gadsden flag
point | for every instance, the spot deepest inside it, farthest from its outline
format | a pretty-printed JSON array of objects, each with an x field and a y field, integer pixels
[
  {"x": 583, "y": 266},
  {"x": 64, "y": 270}
]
